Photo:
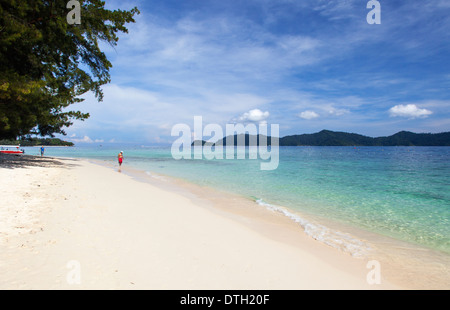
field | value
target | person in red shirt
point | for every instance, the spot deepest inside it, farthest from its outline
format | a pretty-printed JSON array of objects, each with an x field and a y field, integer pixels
[{"x": 120, "y": 158}]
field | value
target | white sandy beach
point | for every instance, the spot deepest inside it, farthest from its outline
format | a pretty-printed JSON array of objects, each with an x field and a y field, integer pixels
[{"x": 72, "y": 224}]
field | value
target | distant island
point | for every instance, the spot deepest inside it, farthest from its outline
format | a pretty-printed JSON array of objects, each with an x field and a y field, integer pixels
[
  {"x": 336, "y": 138},
  {"x": 37, "y": 142}
]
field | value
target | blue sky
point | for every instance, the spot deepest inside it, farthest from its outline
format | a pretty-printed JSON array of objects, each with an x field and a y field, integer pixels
[{"x": 305, "y": 65}]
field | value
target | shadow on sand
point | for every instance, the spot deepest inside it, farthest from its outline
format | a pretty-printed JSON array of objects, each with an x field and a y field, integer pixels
[{"x": 11, "y": 161}]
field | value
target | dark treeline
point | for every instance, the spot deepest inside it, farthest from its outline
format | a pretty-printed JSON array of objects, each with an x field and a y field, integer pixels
[
  {"x": 37, "y": 142},
  {"x": 334, "y": 138}
]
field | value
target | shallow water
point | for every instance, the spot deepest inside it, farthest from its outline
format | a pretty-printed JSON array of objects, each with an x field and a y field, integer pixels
[{"x": 399, "y": 192}]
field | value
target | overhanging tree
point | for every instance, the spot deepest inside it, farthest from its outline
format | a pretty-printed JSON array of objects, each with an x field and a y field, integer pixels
[{"x": 46, "y": 64}]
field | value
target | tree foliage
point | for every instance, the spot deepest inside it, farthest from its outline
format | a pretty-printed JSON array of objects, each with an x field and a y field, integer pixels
[
  {"x": 46, "y": 64},
  {"x": 37, "y": 142}
]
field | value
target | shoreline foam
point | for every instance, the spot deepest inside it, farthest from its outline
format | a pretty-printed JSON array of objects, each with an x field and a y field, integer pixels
[{"x": 336, "y": 239}]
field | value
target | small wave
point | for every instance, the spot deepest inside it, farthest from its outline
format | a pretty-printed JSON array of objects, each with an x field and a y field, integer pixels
[
  {"x": 155, "y": 176},
  {"x": 336, "y": 239}
]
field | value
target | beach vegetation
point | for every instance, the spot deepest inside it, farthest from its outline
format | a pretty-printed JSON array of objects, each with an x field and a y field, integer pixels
[
  {"x": 46, "y": 63},
  {"x": 37, "y": 142}
]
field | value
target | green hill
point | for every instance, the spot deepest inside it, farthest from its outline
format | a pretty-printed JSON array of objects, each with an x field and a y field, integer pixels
[
  {"x": 325, "y": 138},
  {"x": 245, "y": 138},
  {"x": 336, "y": 138},
  {"x": 407, "y": 138},
  {"x": 37, "y": 142}
]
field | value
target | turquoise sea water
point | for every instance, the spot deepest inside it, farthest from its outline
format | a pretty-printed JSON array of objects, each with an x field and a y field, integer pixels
[{"x": 400, "y": 192}]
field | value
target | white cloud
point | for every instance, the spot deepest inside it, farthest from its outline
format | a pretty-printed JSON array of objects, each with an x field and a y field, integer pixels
[
  {"x": 409, "y": 110},
  {"x": 85, "y": 139},
  {"x": 133, "y": 112},
  {"x": 217, "y": 47},
  {"x": 337, "y": 112},
  {"x": 255, "y": 115},
  {"x": 308, "y": 115}
]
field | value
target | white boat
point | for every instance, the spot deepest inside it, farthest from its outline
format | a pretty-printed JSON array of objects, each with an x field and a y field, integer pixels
[{"x": 11, "y": 149}]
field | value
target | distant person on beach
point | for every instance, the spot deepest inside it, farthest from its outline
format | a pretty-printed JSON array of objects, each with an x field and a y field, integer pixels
[
  {"x": 120, "y": 158},
  {"x": 42, "y": 150}
]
